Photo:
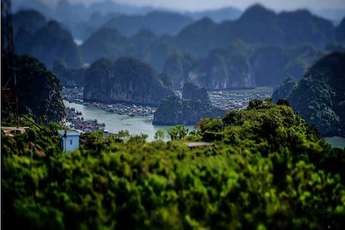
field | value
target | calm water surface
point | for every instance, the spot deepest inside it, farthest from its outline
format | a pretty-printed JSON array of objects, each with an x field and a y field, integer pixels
[{"x": 114, "y": 122}]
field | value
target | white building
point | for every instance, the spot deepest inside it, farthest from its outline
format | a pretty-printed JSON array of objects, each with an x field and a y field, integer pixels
[{"x": 69, "y": 140}]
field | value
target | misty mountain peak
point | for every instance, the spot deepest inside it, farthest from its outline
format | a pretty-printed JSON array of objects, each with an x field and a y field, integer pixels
[
  {"x": 54, "y": 24},
  {"x": 256, "y": 12},
  {"x": 29, "y": 14}
]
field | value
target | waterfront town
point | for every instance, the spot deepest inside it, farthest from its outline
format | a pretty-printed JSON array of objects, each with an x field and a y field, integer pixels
[
  {"x": 225, "y": 99},
  {"x": 75, "y": 119},
  {"x": 76, "y": 95}
]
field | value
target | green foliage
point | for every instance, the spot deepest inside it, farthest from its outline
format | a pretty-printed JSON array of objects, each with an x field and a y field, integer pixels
[
  {"x": 319, "y": 96},
  {"x": 260, "y": 104},
  {"x": 267, "y": 170},
  {"x": 178, "y": 132},
  {"x": 160, "y": 134},
  {"x": 211, "y": 129}
]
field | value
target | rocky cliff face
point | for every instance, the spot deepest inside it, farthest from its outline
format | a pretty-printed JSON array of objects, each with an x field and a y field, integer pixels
[
  {"x": 69, "y": 77},
  {"x": 37, "y": 89},
  {"x": 320, "y": 96},
  {"x": 189, "y": 110},
  {"x": 241, "y": 66},
  {"x": 272, "y": 64},
  {"x": 173, "y": 111},
  {"x": 193, "y": 93},
  {"x": 340, "y": 31},
  {"x": 176, "y": 69},
  {"x": 126, "y": 80},
  {"x": 223, "y": 69}
]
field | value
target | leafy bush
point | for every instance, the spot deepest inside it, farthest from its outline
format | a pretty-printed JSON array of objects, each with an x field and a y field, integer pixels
[{"x": 178, "y": 132}]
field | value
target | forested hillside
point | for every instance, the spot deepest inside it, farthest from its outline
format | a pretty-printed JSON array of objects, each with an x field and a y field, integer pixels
[
  {"x": 320, "y": 95},
  {"x": 36, "y": 90},
  {"x": 265, "y": 169}
]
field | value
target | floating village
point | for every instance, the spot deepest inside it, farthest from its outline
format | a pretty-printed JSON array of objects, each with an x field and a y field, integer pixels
[
  {"x": 75, "y": 120},
  {"x": 226, "y": 100}
]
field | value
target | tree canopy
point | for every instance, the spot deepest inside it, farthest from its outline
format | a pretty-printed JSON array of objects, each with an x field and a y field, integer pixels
[{"x": 266, "y": 169}]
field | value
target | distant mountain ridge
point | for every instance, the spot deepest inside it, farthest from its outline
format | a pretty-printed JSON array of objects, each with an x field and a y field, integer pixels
[
  {"x": 30, "y": 20},
  {"x": 158, "y": 22},
  {"x": 45, "y": 40},
  {"x": 104, "y": 43},
  {"x": 217, "y": 15},
  {"x": 74, "y": 15},
  {"x": 258, "y": 25},
  {"x": 217, "y": 56},
  {"x": 104, "y": 7},
  {"x": 335, "y": 15}
]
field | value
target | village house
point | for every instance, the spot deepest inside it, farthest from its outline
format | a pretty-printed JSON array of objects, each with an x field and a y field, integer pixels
[{"x": 69, "y": 140}]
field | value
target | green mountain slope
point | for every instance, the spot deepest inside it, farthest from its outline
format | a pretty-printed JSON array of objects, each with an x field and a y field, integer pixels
[{"x": 319, "y": 97}]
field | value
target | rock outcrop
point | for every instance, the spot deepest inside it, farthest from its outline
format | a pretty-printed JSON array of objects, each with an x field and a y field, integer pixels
[
  {"x": 223, "y": 69},
  {"x": 69, "y": 77},
  {"x": 240, "y": 66},
  {"x": 37, "y": 89},
  {"x": 125, "y": 80},
  {"x": 272, "y": 64},
  {"x": 284, "y": 90},
  {"x": 193, "y": 93},
  {"x": 177, "y": 68},
  {"x": 189, "y": 110},
  {"x": 320, "y": 96}
]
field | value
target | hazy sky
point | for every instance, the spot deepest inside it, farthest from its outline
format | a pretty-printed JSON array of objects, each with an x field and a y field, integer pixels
[{"x": 212, "y": 4}]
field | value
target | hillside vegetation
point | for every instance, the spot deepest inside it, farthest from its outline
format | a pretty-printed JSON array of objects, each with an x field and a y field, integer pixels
[
  {"x": 266, "y": 169},
  {"x": 320, "y": 96}
]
